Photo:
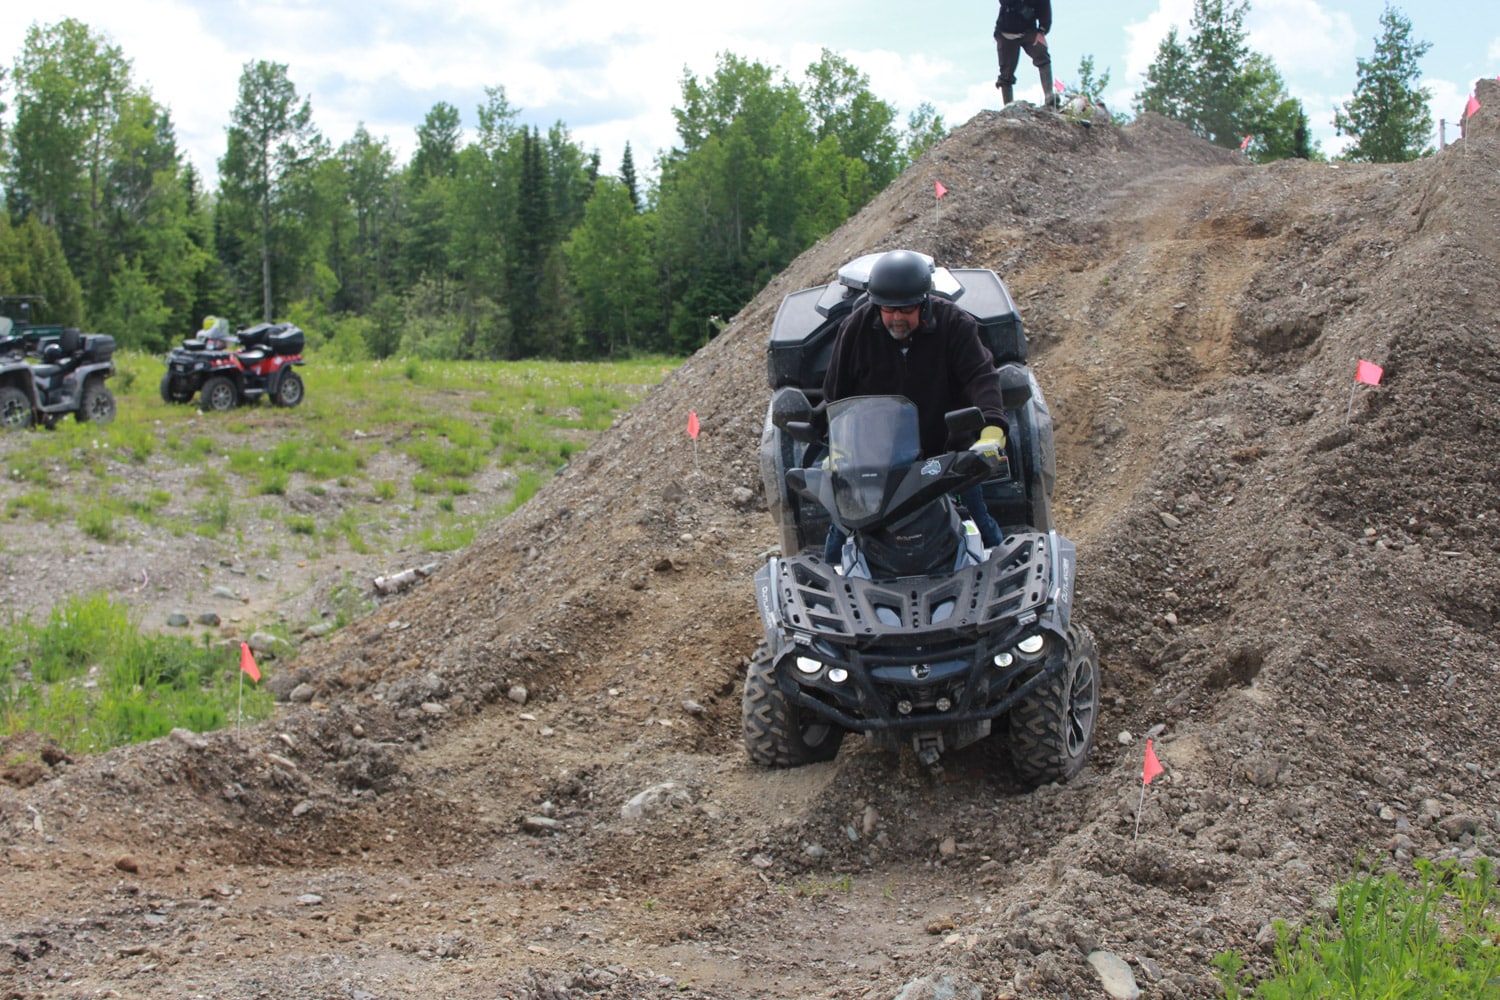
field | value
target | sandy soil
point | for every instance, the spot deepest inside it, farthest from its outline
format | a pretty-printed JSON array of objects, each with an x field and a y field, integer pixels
[{"x": 1292, "y": 580}]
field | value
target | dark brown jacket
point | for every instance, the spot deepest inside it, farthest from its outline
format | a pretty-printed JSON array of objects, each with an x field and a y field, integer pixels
[{"x": 942, "y": 366}]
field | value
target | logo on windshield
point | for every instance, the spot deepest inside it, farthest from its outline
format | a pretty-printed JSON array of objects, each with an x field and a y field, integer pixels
[{"x": 932, "y": 468}]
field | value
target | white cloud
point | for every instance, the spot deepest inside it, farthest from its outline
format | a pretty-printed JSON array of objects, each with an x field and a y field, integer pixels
[
  {"x": 1301, "y": 36},
  {"x": 1494, "y": 52},
  {"x": 1145, "y": 37}
]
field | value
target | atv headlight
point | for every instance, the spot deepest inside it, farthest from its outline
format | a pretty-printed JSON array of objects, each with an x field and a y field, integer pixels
[
  {"x": 838, "y": 675},
  {"x": 1004, "y": 659},
  {"x": 1031, "y": 645},
  {"x": 808, "y": 665}
]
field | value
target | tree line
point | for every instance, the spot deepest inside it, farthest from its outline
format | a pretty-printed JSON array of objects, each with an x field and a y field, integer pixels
[
  {"x": 501, "y": 241},
  {"x": 505, "y": 241}
]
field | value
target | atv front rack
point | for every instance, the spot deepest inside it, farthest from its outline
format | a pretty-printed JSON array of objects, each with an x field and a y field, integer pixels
[{"x": 1015, "y": 582}]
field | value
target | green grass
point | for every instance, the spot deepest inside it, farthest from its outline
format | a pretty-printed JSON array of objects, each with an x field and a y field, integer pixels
[
  {"x": 88, "y": 680},
  {"x": 92, "y": 680},
  {"x": 1439, "y": 939}
]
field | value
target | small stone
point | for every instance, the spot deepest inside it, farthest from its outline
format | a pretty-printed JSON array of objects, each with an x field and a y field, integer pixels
[
  {"x": 1115, "y": 975},
  {"x": 540, "y": 824},
  {"x": 518, "y": 694},
  {"x": 309, "y": 899},
  {"x": 126, "y": 863},
  {"x": 948, "y": 848},
  {"x": 189, "y": 738},
  {"x": 302, "y": 693},
  {"x": 1170, "y": 520},
  {"x": 209, "y": 618},
  {"x": 177, "y": 619}
]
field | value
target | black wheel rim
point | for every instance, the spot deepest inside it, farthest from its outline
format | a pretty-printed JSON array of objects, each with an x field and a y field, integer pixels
[{"x": 1083, "y": 705}]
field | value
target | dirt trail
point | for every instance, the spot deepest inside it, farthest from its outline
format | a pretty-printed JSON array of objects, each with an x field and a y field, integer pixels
[{"x": 1297, "y": 589}]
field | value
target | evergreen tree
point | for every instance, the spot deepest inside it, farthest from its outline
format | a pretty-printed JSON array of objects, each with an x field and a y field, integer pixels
[
  {"x": 1388, "y": 117},
  {"x": 628, "y": 178},
  {"x": 1168, "y": 89},
  {"x": 1219, "y": 88}
]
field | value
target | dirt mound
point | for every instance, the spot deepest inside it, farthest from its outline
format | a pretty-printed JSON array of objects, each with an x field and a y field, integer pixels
[{"x": 524, "y": 777}]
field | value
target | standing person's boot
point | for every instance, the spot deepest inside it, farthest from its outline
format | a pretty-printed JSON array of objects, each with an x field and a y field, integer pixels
[
  {"x": 1049, "y": 96},
  {"x": 1007, "y": 92}
]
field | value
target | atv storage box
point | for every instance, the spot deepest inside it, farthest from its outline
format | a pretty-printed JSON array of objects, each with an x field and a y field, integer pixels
[
  {"x": 98, "y": 348},
  {"x": 278, "y": 338},
  {"x": 798, "y": 352},
  {"x": 807, "y": 321},
  {"x": 288, "y": 341}
]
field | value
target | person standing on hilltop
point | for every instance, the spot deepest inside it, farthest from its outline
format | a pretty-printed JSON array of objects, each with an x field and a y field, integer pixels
[{"x": 1023, "y": 24}]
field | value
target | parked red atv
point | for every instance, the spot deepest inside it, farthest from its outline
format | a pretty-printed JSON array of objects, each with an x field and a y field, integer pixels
[{"x": 227, "y": 370}]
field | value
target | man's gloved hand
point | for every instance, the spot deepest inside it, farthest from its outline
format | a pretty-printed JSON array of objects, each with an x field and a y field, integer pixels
[{"x": 991, "y": 441}]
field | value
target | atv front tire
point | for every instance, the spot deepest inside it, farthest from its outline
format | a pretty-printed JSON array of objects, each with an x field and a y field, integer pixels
[
  {"x": 219, "y": 395},
  {"x": 1052, "y": 729},
  {"x": 776, "y": 732},
  {"x": 167, "y": 395},
  {"x": 97, "y": 405},
  {"x": 289, "y": 392},
  {"x": 15, "y": 409}
]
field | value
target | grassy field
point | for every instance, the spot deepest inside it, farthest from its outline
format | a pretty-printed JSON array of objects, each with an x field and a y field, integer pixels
[{"x": 381, "y": 456}]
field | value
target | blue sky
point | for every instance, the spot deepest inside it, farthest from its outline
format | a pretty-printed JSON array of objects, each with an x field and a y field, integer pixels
[{"x": 612, "y": 70}]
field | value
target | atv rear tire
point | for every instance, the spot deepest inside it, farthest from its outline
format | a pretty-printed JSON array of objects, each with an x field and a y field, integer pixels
[
  {"x": 776, "y": 734},
  {"x": 15, "y": 409},
  {"x": 97, "y": 405},
  {"x": 219, "y": 395},
  {"x": 1052, "y": 729},
  {"x": 289, "y": 392}
]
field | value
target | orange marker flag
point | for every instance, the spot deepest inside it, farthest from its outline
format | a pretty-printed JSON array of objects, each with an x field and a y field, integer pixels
[
  {"x": 1368, "y": 372},
  {"x": 1152, "y": 767},
  {"x": 247, "y": 662},
  {"x": 693, "y": 424},
  {"x": 937, "y": 186},
  {"x": 1473, "y": 104},
  {"x": 1245, "y": 143}
]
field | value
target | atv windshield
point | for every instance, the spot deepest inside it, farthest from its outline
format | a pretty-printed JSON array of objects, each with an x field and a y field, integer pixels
[{"x": 872, "y": 441}]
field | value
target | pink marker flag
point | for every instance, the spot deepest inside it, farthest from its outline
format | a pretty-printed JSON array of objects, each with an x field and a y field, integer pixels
[
  {"x": 937, "y": 186},
  {"x": 1058, "y": 86},
  {"x": 1245, "y": 143},
  {"x": 693, "y": 424},
  {"x": 247, "y": 662},
  {"x": 1368, "y": 372},
  {"x": 1473, "y": 104},
  {"x": 1152, "y": 767}
]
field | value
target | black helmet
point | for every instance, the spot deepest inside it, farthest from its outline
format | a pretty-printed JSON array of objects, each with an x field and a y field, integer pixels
[{"x": 900, "y": 278}]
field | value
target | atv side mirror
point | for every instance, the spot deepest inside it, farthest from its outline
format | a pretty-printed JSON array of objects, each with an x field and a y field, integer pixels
[
  {"x": 790, "y": 405},
  {"x": 964, "y": 423},
  {"x": 1015, "y": 386}
]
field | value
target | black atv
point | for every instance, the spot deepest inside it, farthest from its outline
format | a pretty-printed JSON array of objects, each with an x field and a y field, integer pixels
[
  {"x": 244, "y": 367},
  {"x": 919, "y": 636},
  {"x": 65, "y": 375}
]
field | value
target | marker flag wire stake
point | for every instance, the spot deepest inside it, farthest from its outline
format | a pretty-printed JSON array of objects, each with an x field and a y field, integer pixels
[
  {"x": 1150, "y": 768},
  {"x": 1367, "y": 372},
  {"x": 247, "y": 666},
  {"x": 693, "y": 428}
]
